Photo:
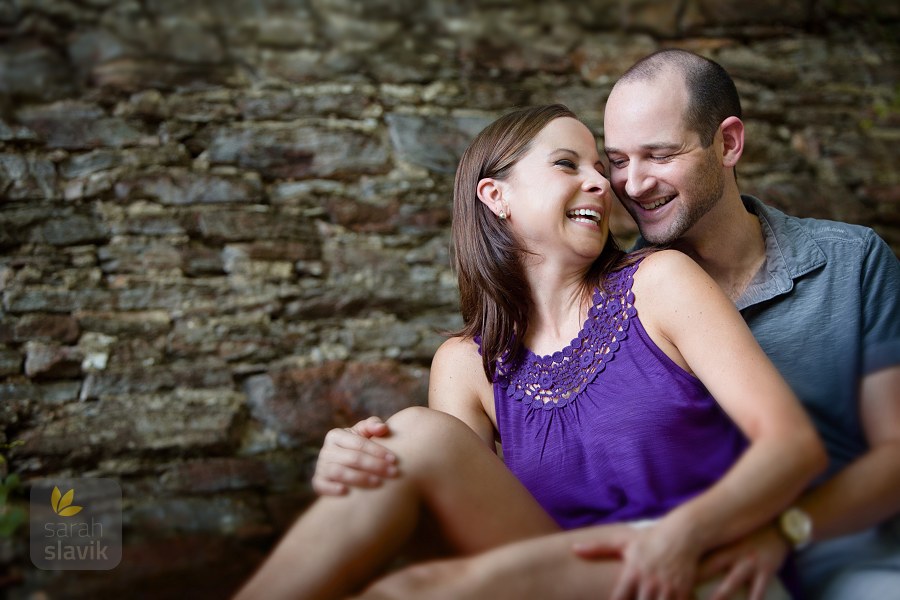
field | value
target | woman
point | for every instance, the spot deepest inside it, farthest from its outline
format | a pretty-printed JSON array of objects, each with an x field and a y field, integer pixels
[{"x": 623, "y": 389}]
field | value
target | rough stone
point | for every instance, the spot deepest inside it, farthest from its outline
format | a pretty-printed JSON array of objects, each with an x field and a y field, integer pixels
[
  {"x": 303, "y": 404},
  {"x": 214, "y": 475},
  {"x": 146, "y": 324},
  {"x": 299, "y": 151},
  {"x": 45, "y": 300},
  {"x": 30, "y": 70},
  {"x": 133, "y": 75},
  {"x": 46, "y": 328},
  {"x": 734, "y": 12},
  {"x": 199, "y": 260},
  {"x": 433, "y": 142},
  {"x": 181, "y": 187},
  {"x": 75, "y": 126},
  {"x": 17, "y": 401},
  {"x": 177, "y": 421},
  {"x": 11, "y": 362},
  {"x": 254, "y": 222},
  {"x": 43, "y": 361},
  {"x": 27, "y": 177},
  {"x": 200, "y": 515},
  {"x": 150, "y": 378},
  {"x": 346, "y": 102},
  {"x": 70, "y": 229}
]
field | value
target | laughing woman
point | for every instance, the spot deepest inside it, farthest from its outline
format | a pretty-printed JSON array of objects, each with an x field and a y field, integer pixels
[{"x": 623, "y": 389}]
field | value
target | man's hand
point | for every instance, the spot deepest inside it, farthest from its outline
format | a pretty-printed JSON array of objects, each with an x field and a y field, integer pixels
[
  {"x": 752, "y": 562},
  {"x": 657, "y": 563},
  {"x": 349, "y": 458}
]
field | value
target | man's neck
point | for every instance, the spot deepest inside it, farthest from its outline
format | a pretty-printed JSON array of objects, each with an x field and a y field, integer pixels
[{"x": 729, "y": 246}]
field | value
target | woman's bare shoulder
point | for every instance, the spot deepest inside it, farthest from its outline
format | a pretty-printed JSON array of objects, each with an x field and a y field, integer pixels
[
  {"x": 458, "y": 354},
  {"x": 668, "y": 265},
  {"x": 458, "y": 347},
  {"x": 670, "y": 284},
  {"x": 458, "y": 384}
]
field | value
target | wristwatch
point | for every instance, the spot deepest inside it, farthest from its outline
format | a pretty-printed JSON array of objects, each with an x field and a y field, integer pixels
[{"x": 796, "y": 526}]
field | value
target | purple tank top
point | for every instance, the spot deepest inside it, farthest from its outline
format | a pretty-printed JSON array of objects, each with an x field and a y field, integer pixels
[{"x": 609, "y": 429}]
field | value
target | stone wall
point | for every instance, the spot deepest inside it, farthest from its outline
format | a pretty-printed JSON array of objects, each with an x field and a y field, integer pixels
[{"x": 224, "y": 225}]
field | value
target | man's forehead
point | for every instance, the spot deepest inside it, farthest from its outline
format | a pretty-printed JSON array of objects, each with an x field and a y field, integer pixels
[
  {"x": 662, "y": 89},
  {"x": 644, "y": 110}
]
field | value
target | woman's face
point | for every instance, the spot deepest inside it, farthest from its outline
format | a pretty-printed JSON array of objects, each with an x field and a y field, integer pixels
[{"x": 557, "y": 197}]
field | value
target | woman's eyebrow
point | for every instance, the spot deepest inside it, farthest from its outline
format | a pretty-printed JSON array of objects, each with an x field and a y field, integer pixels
[{"x": 567, "y": 150}]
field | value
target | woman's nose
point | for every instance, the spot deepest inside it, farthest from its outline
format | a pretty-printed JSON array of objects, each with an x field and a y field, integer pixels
[{"x": 595, "y": 184}]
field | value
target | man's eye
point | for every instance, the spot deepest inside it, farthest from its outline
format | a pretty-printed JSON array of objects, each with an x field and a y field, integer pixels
[
  {"x": 617, "y": 164},
  {"x": 662, "y": 158},
  {"x": 566, "y": 163}
]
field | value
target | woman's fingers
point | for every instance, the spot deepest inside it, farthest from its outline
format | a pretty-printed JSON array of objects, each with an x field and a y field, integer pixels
[{"x": 348, "y": 458}]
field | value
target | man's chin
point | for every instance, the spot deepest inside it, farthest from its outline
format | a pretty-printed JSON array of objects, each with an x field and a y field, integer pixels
[{"x": 655, "y": 236}]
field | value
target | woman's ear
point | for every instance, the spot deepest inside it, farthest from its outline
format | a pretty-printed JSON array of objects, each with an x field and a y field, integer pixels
[
  {"x": 732, "y": 130},
  {"x": 490, "y": 192}
]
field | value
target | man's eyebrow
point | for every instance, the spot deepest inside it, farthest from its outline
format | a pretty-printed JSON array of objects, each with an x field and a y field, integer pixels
[{"x": 651, "y": 146}]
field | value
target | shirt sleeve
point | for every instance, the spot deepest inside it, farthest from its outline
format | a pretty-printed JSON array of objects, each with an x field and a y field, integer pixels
[{"x": 880, "y": 305}]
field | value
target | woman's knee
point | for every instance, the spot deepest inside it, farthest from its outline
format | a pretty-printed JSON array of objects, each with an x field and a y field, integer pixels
[
  {"x": 429, "y": 438},
  {"x": 426, "y": 424}
]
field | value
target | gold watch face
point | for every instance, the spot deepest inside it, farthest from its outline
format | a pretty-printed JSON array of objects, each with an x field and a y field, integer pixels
[{"x": 797, "y": 525}]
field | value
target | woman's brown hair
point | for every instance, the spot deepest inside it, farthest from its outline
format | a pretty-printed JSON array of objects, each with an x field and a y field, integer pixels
[{"x": 495, "y": 299}]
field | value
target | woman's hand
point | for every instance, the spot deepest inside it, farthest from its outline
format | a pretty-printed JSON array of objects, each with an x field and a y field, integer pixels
[
  {"x": 349, "y": 458},
  {"x": 749, "y": 563},
  {"x": 659, "y": 563}
]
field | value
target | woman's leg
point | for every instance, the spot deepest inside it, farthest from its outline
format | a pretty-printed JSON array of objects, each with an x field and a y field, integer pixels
[
  {"x": 340, "y": 543},
  {"x": 542, "y": 567}
]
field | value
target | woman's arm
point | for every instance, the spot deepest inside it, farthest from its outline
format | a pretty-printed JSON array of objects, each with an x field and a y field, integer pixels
[
  {"x": 458, "y": 386},
  {"x": 701, "y": 325},
  {"x": 696, "y": 325}
]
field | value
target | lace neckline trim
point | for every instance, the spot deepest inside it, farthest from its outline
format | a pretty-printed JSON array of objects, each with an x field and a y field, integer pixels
[{"x": 555, "y": 380}]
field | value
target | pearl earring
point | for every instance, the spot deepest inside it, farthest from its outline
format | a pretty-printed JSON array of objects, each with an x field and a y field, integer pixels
[{"x": 502, "y": 215}]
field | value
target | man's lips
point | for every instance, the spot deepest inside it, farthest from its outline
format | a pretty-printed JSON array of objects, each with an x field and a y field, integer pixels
[{"x": 651, "y": 204}]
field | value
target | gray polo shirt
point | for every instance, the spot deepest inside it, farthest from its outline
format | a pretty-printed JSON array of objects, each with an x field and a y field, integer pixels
[{"x": 826, "y": 309}]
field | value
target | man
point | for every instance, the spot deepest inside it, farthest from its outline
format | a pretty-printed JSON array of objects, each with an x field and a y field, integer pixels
[{"x": 822, "y": 299}]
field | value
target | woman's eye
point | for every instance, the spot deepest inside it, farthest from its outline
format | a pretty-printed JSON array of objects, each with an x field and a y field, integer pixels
[{"x": 566, "y": 163}]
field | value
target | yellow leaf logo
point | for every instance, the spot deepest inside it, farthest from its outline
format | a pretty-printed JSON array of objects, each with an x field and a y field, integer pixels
[{"x": 62, "y": 503}]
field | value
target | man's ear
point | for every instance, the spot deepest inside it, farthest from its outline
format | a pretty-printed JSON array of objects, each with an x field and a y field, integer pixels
[
  {"x": 732, "y": 130},
  {"x": 490, "y": 192}
]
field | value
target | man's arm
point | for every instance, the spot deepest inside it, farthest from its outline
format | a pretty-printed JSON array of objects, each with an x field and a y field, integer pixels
[{"x": 866, "y": 492}]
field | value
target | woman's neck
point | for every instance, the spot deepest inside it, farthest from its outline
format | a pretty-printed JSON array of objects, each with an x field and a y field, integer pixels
[{"x": 558, "y": 310}]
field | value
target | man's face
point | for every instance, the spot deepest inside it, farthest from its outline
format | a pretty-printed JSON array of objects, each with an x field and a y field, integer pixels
[{"x": 659, "y": 170}]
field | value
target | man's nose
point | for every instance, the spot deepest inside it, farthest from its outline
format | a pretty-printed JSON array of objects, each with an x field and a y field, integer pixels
[{"x": 639, "y": 181}]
